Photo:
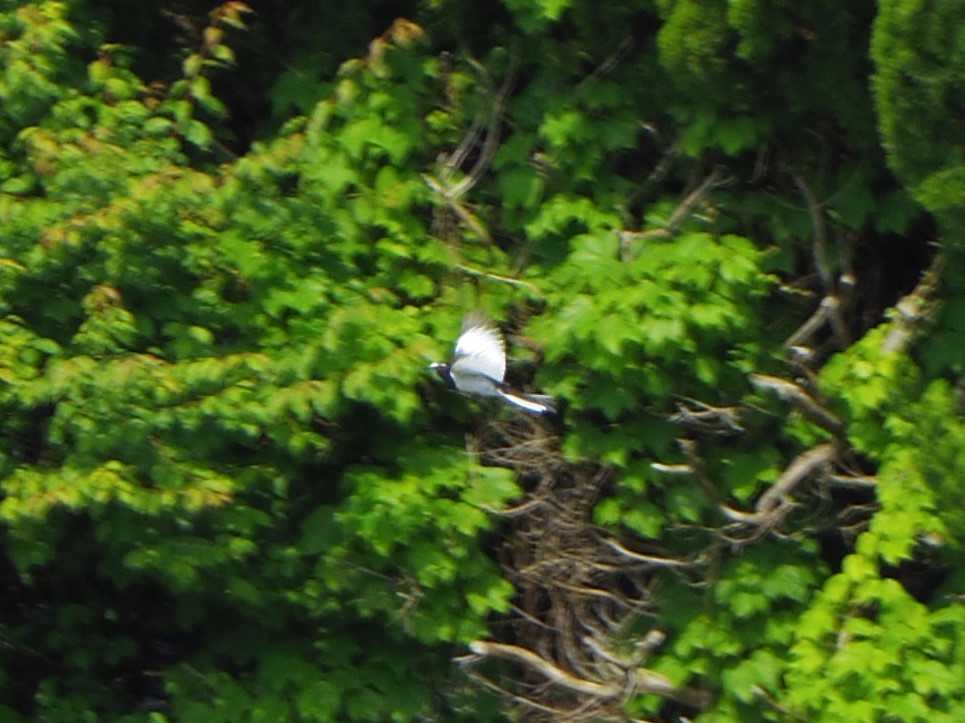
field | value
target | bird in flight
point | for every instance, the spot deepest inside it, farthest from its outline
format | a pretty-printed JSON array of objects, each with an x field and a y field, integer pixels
[{"x": 479, "y": 365}]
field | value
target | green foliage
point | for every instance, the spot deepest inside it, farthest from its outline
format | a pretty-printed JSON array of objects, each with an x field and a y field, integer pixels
[
  {"x": 877, "y": 650},
  {"x": 739, "y": 634},
  {"x": 919, "y": 82},
  {"x": 867, "y": 650},
  {"x": 187, "y": 395},
  {"x": 230, "y": 490},
  {"x": 679, "y": 308},
  {"x": 535, "y": 15}
]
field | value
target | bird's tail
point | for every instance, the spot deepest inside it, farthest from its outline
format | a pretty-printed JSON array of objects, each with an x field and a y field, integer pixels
[{"x": 532, "y": 403}]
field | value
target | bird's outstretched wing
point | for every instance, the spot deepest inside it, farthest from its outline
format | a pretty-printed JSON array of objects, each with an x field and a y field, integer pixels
[{"x": 480, "y": 349}]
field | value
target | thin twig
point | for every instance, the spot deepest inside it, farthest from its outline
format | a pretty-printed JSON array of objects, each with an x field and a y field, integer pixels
[
  {"x": 502, "y": 279},
  {"x": 820, "y": 234},
  {"x": 648, "y": 559}
]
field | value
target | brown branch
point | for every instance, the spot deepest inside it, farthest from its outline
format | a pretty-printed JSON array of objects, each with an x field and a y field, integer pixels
[
  {"x": 679, "y": 215},
  {"x": 915, "y": 310},
  {"x": 794, "y": 394},
  {"x": 460, "y": 210},
  {"x": 502, "y": 279},
  {"x": 659, "y": 171},
  {"x": 820, "y": 234},
  {"x": 610, "y": 62},
  {"x": 692, "y": 199},
  {"x": 838, "y": 327},
  {"x": 489, "y": 145},
  {"x": 522, "y": 700},
  {"x": 642, "y": 680},
  {"x": 860, "y": 482},
  {"x": 673, "y": 469},
  {"x": 646, "y": 559},
  {"x": 648, "y": 646},
  {"x": 831, "y": 305},
  {"x": 774, "y": 505},
  {"x": 809, "y": 328},
  {"x": 516, "y": 511},
  {"x": 802, "y": 466},
  {"x": 703, "y": 417},
  {"x": 689, "y": 448},
  {"x": 544, "y": 668},
  {"x": 607, "y": 662},
  {"x": 828, "y": 312}
]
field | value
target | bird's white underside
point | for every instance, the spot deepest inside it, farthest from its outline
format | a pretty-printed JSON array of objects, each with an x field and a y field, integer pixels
[{"x": 469, "y": 383}]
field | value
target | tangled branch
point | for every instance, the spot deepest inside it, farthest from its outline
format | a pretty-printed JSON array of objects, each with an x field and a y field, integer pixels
[{"x": 579, "y": 588}]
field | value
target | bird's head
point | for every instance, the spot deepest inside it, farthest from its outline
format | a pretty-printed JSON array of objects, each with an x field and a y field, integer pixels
[{"x": 442, "y": 369}]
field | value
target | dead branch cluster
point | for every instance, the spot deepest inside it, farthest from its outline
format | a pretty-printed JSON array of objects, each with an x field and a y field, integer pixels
[{"x": 578, "y": 590}]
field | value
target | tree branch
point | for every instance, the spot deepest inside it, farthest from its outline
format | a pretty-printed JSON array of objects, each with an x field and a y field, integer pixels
[
  {"x": 544, "y": 668},
  {"x": 646, "y": 559},
  {"x": 820, "y": 234},
  {"x": 680, "y": 213},
  {"x": 914, "y": 310},
  {"x": 642, "y": 680},
  {"x": 792, "y": 393},
  {"x": 802, "y": 466}
]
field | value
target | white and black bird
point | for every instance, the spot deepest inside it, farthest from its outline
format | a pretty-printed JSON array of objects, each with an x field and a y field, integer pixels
[{"x": 479, "y": 365}]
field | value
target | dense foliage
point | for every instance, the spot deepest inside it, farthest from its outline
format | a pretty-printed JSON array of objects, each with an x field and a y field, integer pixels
[{"x": 726, "y": 236}]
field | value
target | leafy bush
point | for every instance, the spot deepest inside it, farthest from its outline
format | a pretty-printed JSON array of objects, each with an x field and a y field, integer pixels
[{"x": 231, "y": 492}]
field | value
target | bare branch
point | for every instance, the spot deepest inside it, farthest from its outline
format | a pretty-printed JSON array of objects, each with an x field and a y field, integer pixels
[
  {"x": 831, "y": 305},
  {"x": 646, "y": 559},
  {"x": 611, "y": 62},
  {"x": 689, "y": 448},
  {"x": 802, "y": 466},
  {"x": 674, "y": 469},
  {"x": 516, "y": 511},
  {"x": 642, "y": 680},
  {"x": 915, "y": 310},
  {"x": 680, "y": 214},
  {"x": 791, "y": 392},
  {"x": 838, "y": 327},
  {"x": 502, "y": 279},
  {"x": 595, "y": 645},
  {"x": 648, "y": 646},
  {"x": 693, "y": 198},
  {"x": 492, "y": 135},
  {"x": 809, "y": 328},
  {"x": 659, "y": 171},
  {"x": 703, "y": 417},
  {"x": 544, "y": 668},
  {"x": 522, "y": 700},
  {"x": 820, "y": 234},
  {"x": 861, "y": 482},
  {"x": 460, "y": 210}
]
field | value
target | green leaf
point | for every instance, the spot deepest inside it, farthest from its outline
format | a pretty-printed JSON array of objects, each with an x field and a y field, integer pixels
[
  {"x": 520, "y": 187},
  {"x": 644, "y": 519},
  {"x": 192, "y": 65},
  {"x": 198, "y": 133}
]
